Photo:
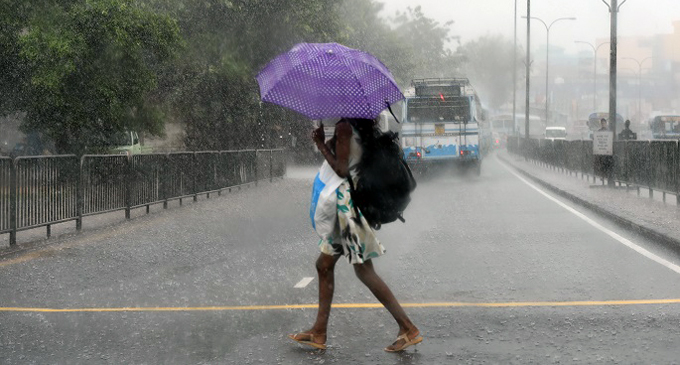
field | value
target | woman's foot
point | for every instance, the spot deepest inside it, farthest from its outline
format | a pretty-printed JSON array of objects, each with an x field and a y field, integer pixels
[
  {"x": 316, "y": 340},
  {"x": 405, "y": 339}
]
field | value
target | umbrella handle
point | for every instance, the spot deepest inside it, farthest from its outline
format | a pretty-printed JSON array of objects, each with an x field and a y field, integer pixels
[{"x": 391, "y": 112}]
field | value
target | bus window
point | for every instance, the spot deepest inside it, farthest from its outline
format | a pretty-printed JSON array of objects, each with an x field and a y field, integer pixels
[
  {"x": 453, "y": 109},
  {"x": 665, "y": 126}
]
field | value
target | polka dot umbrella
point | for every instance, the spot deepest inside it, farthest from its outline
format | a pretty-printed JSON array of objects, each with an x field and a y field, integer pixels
[{"x": 328, "y": 80}]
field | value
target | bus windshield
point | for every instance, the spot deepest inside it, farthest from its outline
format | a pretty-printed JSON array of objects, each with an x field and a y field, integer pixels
[{"x": 431, "y": 110}]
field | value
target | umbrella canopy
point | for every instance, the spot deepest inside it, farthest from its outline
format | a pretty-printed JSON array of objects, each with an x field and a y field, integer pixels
[{"x": 328, "y": 80}]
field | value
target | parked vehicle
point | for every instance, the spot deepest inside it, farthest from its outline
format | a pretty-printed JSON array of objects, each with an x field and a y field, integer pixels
[
  {"x": 22, "y": 149},
  {"x": 553, "y": 133},
  {"x": 126, "y": 143}
]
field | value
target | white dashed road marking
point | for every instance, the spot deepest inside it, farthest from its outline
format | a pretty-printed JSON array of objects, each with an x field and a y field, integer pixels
[{"x": 304, "y": 282}]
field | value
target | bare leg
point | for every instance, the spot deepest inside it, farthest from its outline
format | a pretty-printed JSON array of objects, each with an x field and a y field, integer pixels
[
  {"x": 366, "y": 273},
  {"x": 325, "y": 267}
]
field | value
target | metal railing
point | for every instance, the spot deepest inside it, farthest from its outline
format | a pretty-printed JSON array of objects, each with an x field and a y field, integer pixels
[
  {"x": 654, "y": 165},
  {"x": 6, "y": 172},
  {"x": 46, "y": 190}
]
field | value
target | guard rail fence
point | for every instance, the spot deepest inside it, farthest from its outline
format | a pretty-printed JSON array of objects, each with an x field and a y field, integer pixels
[
  {"x": 650, "y": 164},
  {"x": 41, "y": 191}
]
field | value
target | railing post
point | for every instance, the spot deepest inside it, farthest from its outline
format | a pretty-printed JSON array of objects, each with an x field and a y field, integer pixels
[
  {"x": 163, "y": 185},
  {"x": 194, "y": 176},
  {"x": 128, "y": 185},
  {"x": 257, "y": 162},
  {"x": 271, "y": 165},
  {"x": 80, "y": 200},
  {"x": 13, "y": 203},
  {"x": 623, "y": 163},
  {"x": 652, "y": 174},
  {"x": 676, "y": 172}
]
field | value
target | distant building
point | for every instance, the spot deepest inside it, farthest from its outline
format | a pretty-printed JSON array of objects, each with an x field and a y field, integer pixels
[{"x": 648, "y": 75}]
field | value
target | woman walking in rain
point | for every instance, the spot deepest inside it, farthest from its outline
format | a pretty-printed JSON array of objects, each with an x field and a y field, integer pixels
[
  {"x": 329, "y": 80},
  {"x": 353, "y": 238}
]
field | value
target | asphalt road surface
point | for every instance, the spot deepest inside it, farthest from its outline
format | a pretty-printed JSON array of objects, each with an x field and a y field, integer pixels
[{"x": 491, "y": 269}]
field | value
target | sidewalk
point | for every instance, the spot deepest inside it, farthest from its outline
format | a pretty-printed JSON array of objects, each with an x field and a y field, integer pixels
[{"x": 649, "y": 216}]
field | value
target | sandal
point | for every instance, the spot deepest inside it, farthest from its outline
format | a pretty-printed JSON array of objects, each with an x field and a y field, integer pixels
[
  {"x": 407, "y": 342},
  {"x": 310, "y": 342}
]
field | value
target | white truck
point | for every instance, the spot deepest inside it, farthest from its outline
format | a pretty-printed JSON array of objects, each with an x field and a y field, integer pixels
[{"x": 553, "y": 133}]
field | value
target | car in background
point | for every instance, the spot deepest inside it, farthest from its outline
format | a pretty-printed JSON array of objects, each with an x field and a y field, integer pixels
[
  {"x": 498, "y": 140},
  {"x": 556, "y": 133},
  {"x": 125, "y": 143},
  {"x": 23, "y": 149}
]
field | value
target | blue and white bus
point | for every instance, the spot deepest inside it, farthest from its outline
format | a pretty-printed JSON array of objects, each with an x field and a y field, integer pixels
[
  {"x": 665, "y": 127},
  {"x": 444, "y": 123}
]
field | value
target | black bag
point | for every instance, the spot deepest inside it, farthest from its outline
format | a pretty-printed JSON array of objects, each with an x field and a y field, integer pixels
[{"x": 385, "y": 180}]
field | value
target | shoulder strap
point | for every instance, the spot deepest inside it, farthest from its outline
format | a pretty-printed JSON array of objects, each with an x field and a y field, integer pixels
[{"x": 356, "y": 209}]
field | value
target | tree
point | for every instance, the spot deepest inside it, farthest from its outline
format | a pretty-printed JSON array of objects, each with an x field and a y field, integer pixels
[
  {"x": 214, "y": 90},
  {"x": 85, "y": 69},
  {"x": 229, "y": 41},
  {"x": 362, "y": 28},
  {"x": 13, "y": 16},
  {"x": 89, "y": 68},
  {"x": 488, "y": 64},
  {"x": 427, "y": 45}
]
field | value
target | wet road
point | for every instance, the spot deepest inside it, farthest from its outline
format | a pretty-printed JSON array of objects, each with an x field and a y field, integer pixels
[{"x": 491, "y": 269}]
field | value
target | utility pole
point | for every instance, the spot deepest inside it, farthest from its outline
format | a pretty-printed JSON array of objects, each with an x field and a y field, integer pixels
[
  {"x": 528, "y": 63},
  {"x": 514, "y": 77},
  {"x": 612, "y": 66},
  {"x": 613, "y": 10}
]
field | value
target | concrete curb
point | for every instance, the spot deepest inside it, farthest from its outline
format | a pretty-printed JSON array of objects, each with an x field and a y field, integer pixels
[{"x": 622, "y": 221}]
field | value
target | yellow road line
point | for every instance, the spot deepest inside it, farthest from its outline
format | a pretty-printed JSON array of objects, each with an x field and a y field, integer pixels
[{"x": 349, "y": 305}]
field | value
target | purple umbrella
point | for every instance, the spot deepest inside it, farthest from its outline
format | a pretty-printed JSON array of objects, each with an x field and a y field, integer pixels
[{"x": 328, "y": 80}]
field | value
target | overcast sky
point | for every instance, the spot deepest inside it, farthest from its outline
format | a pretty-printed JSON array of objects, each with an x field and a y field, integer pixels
[{"x": 475, "y": 18}]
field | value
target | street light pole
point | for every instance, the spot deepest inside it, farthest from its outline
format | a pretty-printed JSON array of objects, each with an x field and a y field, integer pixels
[
  {"x": 527, "y": 63},
  {"x": 612, "y": 65},
  {"x": 514, "y": 76},
  {"x": 547, "y": 64},
  {"x": 639, "y": 83},
  {"x": 595, "y": 49},
  {"x": 613, "y": 10}
]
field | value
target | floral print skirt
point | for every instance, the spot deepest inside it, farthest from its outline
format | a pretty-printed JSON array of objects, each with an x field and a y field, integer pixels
[{"x": 352, "y": 237}]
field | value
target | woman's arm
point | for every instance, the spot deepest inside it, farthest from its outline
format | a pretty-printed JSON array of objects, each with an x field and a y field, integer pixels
[{"x": 340, "y": 161}]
